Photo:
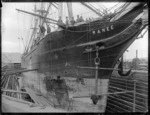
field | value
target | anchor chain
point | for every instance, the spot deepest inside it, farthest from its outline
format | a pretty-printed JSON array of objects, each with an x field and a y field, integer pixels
[
  {"x": 94, "y": 97},
  {"x": 97, "y": 59}
]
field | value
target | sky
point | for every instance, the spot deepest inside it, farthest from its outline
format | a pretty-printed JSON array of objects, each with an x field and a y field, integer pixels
[{"x": 15, "y": 25}]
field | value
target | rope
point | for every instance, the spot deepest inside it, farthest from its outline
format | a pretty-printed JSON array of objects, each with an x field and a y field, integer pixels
[
  {"x": 90, "y": 60},
  {"x": 108, "y": 21},
  {"x": 126, "y": 13},
  {"x": 102, "y": 6},
  {"x": 114, "y": 6},
  {"x": 18, "y": 31},
  {"x": 143, "y": 34},
  {"x": 84, "y": 31},
  {"x": 97, "y": 59}
]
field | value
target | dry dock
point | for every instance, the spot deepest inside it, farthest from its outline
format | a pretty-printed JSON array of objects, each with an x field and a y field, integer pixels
[
  {"x": 125, "y": 94},
  {"x": 136, "y": 101}
]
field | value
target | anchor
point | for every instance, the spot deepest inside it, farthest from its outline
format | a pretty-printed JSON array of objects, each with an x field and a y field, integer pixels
[
  {"x": 120, "y": 69},
  {"x": 95, "y": 97}
]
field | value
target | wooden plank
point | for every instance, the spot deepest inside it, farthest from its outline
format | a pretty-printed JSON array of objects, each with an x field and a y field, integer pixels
[
  {"x": 20, "y": 71},
  {"x": 17, "y": 100},
  {"x": 3, "y": 81},
  {"x": 42, "y": 100},
  {"x": 7, "y": 82},
  {"x": 13, "y": 91},
  {"x": 38, "y": 99},
  {"x": 32, "y": 95}
]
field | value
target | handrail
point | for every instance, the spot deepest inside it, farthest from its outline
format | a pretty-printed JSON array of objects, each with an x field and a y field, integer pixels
[
  {"x": 18, "y": 100},
  {"x": 112, "y": 93},
  {"x": 13, "y": 91},
  {"x": 21, "y": 71}
]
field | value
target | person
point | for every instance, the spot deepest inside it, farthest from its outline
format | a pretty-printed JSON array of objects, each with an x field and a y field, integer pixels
[
  {"x": 78, "y": 19},
  {"x": 87, "y": 20},
  {"x": 105, "y": 11},
  {"x": 61, "y": 91},
  {"x": 72, "y": 21},
  {"x": 67, "y": 21},
  {"x": 48, "y": 29},
  {"x": 90, "y": 20},
  {"x": 81, "y": 19},
  {"x": 42, "y": 29},
  {"x": 60, "y": 22}
]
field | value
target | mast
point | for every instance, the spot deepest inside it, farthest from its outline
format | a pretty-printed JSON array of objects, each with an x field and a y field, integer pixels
[
  {"x": 41, "y": 22},
  {"x": 70, "y": 13},
  {"x": 41, "y": 12},
  {"x": 95, "y": 11},
  {"x": 60, "y": 9},
  {"x": 69, "y": 7},
  {"x": 55, "y": 5},
  {"x": 33, "y": 32},
  {"x": 36, "y": 15},
  {"x": 46, "y": 13},
  {"x": 124, "y": 10}
]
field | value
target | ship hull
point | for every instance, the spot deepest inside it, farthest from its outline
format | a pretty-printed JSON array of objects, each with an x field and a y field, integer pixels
[
  {"x": 68, "y": 52},
  {"x": 66, "y": 61},
  {"x": 69, "y": 71}
]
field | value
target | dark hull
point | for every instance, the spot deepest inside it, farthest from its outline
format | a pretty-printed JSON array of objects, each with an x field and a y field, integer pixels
[
  {"x": 62, "y": 52},
  {"x": 64, "y": 61},
  {"x": 68, "y": 68}
]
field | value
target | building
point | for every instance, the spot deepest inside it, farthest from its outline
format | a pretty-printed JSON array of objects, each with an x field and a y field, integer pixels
[{"x": 11, "y": 60}]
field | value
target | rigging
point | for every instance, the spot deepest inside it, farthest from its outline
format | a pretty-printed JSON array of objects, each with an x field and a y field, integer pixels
[{"x": 95, "y": 11}]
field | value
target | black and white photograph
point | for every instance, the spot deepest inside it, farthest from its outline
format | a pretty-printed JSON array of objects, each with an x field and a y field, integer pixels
[{"x": 74, "y": 57}]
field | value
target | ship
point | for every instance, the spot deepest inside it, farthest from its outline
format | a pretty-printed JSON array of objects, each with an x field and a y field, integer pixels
[{"x": 75, "y": 62}]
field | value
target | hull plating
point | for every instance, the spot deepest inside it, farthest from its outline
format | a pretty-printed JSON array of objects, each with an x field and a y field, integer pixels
[{"x": 61, "y": 52}]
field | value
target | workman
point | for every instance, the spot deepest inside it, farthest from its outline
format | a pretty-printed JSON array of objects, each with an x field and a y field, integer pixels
[
  {"x": 81, "y": 19},
  {"x": 60, "y": 22},
  {"x": 61, "y": 92},
  {"x": 67, "y": 21},
  {"x": 48, "y": 29},
  {"x": 42, "y": 29},
  {"x": 87, "y": 20},
  {"x": 78, "y": 19},
  {"x": 90, "y": 20},
  {"x": 72, "y": 21}
]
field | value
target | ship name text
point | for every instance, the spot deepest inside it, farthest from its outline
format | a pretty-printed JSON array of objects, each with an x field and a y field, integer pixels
[{"x": 102, "y": 30}]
